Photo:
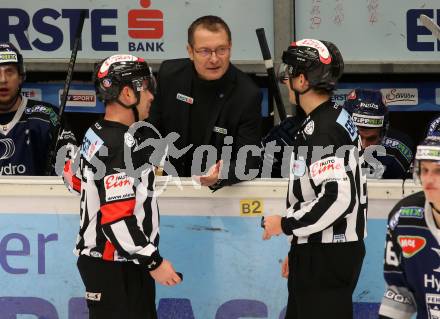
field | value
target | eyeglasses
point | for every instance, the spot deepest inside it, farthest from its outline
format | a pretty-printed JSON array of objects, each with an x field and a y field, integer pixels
[{"x": 220, "y": 51}]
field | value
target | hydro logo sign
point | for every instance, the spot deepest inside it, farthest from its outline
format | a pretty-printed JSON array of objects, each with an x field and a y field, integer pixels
[
  {"x": 49, "y": 29},
  {"x": 414, "y": 30}
]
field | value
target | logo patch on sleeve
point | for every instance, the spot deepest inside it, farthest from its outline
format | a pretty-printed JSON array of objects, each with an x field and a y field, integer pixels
[
  {"x": 345, "y": 120},
  {"x": 91, "y": 144},
  {"x": 328, "y": 169},
  {"x": 411, "y": 245},
  {"x": 118, "y": 186}
]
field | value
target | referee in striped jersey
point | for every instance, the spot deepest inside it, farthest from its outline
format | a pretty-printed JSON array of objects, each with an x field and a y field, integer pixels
[{"x": 326, "y": 198}]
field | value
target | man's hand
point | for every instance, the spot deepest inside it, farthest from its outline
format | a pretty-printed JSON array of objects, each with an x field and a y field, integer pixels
[
  {"x": 285, "y": 268},
  {"x": 212, "y": 177},
  {"x": 165, "y": 274},
  {"x": 272, "y": 226}
]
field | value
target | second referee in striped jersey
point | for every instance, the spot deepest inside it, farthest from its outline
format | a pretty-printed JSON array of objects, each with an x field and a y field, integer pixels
[
  {"x": 118, "y": 241},
  {"x": 326, "y": 199}
]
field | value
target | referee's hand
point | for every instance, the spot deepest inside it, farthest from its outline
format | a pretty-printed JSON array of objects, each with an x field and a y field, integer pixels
[
  {"x": 272, "y": 226},
  {"x": 165, "y": 274}
]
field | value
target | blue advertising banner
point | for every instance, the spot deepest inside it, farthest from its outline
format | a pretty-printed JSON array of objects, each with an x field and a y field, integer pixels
[
  {"x": 406, "y": 97},
  {"x": 402, "y": 97},
  {"x": 229, "y": 272},
  {"x": 81, "y": 98}
]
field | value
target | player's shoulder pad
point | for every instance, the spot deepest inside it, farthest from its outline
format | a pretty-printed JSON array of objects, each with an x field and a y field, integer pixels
[
  {"x": 396, "y": 145},
  {"x": 41, "y": 110},
  {"x": 410, "y": 207}
]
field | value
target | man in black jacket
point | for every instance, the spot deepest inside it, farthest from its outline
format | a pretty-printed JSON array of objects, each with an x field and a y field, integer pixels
[{"x": 214, "y": 107}]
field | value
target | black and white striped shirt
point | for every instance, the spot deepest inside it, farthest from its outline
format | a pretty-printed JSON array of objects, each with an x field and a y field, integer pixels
[
  {"x": 119, "y": 212},
  {"x": 327, "y": 194}
]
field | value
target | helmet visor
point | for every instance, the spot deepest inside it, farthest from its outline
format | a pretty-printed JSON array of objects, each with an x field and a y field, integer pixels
[
  {"x": 145, "y": 83},
  {"x": 286, "y": 71}
]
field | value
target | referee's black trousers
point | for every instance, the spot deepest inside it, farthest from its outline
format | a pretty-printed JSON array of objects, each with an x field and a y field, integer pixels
[
  {"x": 322, "y": 278},
  {"x": 117, "y": 290}
]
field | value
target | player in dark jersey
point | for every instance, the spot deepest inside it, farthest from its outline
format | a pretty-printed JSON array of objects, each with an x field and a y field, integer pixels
[
  {"x": 370, "y": 115},
  {"x": 118, "y": 241},
  {"x": 412, "y": 249},
  {"x": 26, "y": 126},
  {"x": 326, "y": 199}
]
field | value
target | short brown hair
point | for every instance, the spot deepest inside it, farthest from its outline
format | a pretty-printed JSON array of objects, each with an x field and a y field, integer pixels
[{"x": 211, "y": 23}]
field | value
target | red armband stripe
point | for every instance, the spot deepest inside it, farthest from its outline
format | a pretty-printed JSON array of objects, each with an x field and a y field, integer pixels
[{"x": 117, "y": 210}]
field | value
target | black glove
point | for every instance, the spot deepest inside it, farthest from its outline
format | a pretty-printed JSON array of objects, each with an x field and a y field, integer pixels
[
  {"x": 283, "y": 135},
  {"x": 284, "y": 132}
]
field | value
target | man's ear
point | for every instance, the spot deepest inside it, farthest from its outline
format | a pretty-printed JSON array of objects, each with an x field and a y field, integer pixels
[
  {"x": 126, "y": 93},
  {"x": 303, "y": 81},
  {"x": 190, "y": 51}
]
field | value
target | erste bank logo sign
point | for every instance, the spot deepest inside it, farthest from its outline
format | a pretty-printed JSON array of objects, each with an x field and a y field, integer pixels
[{"x": 140, "y": 27}]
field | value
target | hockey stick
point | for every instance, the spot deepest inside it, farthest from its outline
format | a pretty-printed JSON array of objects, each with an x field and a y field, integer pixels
[
  {"x": 268, "y": 62},
  {"x": 56, "y": 133},
  {"x": 429, "y": 24}
]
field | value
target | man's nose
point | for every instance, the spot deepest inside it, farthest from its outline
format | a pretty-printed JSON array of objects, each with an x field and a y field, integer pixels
[
  {"x": 2, "y": 76},
  {"x": 213, "y": 57}
]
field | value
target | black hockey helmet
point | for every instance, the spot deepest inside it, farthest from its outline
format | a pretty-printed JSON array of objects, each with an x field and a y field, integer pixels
[
  {"x": 433, "y": 128},
  {"x": 9, "y": 54},
  {"x": 117, "y": 71},
  {"x": 320, "y": 62},
  {"x": 367, "y": 108},
  {"x": 429, "y": 148}
]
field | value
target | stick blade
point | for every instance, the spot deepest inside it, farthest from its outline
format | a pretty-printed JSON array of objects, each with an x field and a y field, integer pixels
[{"x": 429, "y": 24}]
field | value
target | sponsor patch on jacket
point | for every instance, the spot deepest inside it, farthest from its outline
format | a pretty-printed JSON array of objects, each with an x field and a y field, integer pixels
[
  {"x": 91, "y": 144},
  {"x": 411, "y": 245},
  {"x": 327, "y": 170},
  {"x": 220, "y": 130},
  {"x": 118, "y": 186},
  {"x": 345, "y": 120},
  {"x": 411, "y": 212},
  {"x": 184, "y": 98}
]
